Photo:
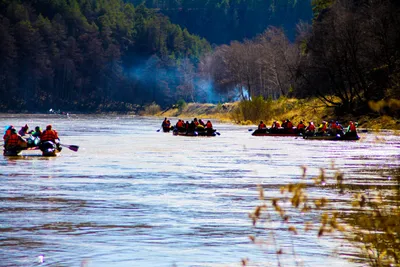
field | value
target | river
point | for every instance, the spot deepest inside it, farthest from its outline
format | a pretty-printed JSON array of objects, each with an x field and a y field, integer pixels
[{"x": 132, "y": 196}]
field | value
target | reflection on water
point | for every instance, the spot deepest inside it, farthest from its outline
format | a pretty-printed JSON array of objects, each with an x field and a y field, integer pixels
[{"x": 133, "y": 196}]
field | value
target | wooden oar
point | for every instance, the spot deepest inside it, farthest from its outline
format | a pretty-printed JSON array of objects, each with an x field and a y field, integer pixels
[{"x": 71, "y": 147}]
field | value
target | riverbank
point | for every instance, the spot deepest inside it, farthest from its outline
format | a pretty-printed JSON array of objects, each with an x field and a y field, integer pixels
[{"x": 293, "y": 109}]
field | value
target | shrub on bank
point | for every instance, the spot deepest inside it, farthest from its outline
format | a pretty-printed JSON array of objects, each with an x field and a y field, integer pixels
[{"x": 372, "y": 225}]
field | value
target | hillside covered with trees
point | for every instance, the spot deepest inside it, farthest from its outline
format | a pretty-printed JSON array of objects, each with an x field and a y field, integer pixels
[
  {"x": 85, "y": 54},
  {"x": 222, "y": 21},
  {"x": 348, "y": 57},
  {"x": 90, "y": 55}
]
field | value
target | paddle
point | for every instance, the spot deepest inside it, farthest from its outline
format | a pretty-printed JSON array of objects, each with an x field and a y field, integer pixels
[
  {"x": 158, "y": 130},
  {"x": 217, "y": 133},
  {"x": 71, "y": 147}
]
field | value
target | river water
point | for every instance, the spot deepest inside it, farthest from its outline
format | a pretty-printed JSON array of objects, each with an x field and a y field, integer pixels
[{"x": 132, "y": 196}]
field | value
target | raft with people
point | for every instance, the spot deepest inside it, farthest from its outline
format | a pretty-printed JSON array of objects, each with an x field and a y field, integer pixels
[
  {"x": 194, "y": 128},
  {"x": 47, "y": 141},
  {"x": 332, "y": 131}
]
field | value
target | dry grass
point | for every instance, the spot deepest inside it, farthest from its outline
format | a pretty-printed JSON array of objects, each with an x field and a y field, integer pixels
[{"x": 295, "y": 110}]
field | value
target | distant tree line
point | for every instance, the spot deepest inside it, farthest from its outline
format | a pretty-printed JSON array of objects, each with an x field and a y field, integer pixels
[
  {"x": 85, "y": 54},
  {"x": 220, "y": 21},
  {"x": 349, "y": 56}
]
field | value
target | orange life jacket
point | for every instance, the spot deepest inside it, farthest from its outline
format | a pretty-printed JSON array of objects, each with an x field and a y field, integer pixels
[
  {"x": 179, "y": 124},
  {"x": 49, "y": 135},
  {"x": 13, "y": 140},
  {"x": 277, "y": 125},
  {"x": 209, "y": 125},
  {"x": 262, "y": 126}
]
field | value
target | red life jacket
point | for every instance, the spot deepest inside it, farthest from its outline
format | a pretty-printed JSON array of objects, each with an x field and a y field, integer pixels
[
  {"x": 209, "y": 125},
  {"x": 196, "y": 123},
  {"x": 289, "y": 125},
  {"x": 179, "y": 124},
  {"x": 277, "y": 125},
  {"x": 352, "y": 127},
  {"x": 300, "y": 126},
  {"x": 13, "y": 140},
  {"x": 323, "y": 129},
  {"x": 8, "y": 133},
  {"x": 333, "y": 125},
  {"x": 311, "y": 127},
  {"x": 49, "y": 135},
  {"x": 262, "y": 126}
]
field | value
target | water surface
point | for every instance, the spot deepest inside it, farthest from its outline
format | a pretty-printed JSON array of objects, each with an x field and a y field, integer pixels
[{"x": 132, "y": 196}]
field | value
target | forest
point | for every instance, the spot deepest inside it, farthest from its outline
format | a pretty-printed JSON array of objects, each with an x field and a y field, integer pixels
[
  {"x": 87, "y": 55},
  {"x": 111, "y": 55},
  {"x": 221, "y": 21}
]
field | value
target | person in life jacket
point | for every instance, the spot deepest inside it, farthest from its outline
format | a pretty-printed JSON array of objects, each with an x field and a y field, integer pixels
[
  {"x": 201, "y": 122},
  {"x": 322, "y": 128},
  {"x": 164, "y": 124},
  {"x": 310, "y": 130},
  {"x": 8, "y": 132},
  {"x": 262, "y": 126},
  {"x": 275, "y": 126},
  {"x": 179, "y": 125},
  {"x": 196, "y": 123},
  {"x": 24, "y": 130},
  {"x": 209, "y": 125},
  {"x": 284, "y": 123},
  {"x": 351, "y": 129},
  {"x": 289, "y": 126},
  {"x": 192, "y": 126},
  {"x": 301, "y": 127},
  {"x": 15, "y": 141},
  {"x": 50, "y": 135},
  {"x": 37, "y": 132},
  {"x": 333, "y": 127}
]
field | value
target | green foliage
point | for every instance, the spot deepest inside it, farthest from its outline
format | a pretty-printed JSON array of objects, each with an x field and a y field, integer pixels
[
  {"x": 319, "y": 5},
  {"x": 221, "y": 21},
  {"x": 79, "y": 54},
  {"x": 181, "y": 104}
]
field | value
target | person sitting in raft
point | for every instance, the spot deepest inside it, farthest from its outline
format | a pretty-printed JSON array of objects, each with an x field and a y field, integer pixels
[
  {"x": 322, "y": 128},
  {"x": 50, "y": 135},
  {"x": 201, "y": 122},
  {"x": 191, "y": 127},
  {"x": 179, "y": 125},
  {"x": 196, "y": 123},
  {"x": 275, "y": 126},
  {"x": 284, "y": 123},
  {"x": 310, "y": 130},
  {"x": 289, "y": 126},
  {"x": 332, "y": 129},
  {"x": 262, "y": 126},
  {"x": 209, "y": 125},
  {"x": 301, "y": 127},
  {"x": 24, "y": 130},
  {"x": 164, "y": 124},
  {"x": 14, "y": 141},
  {"x": 351, "y": 129},
  {"x": 8, "y": 132}
]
